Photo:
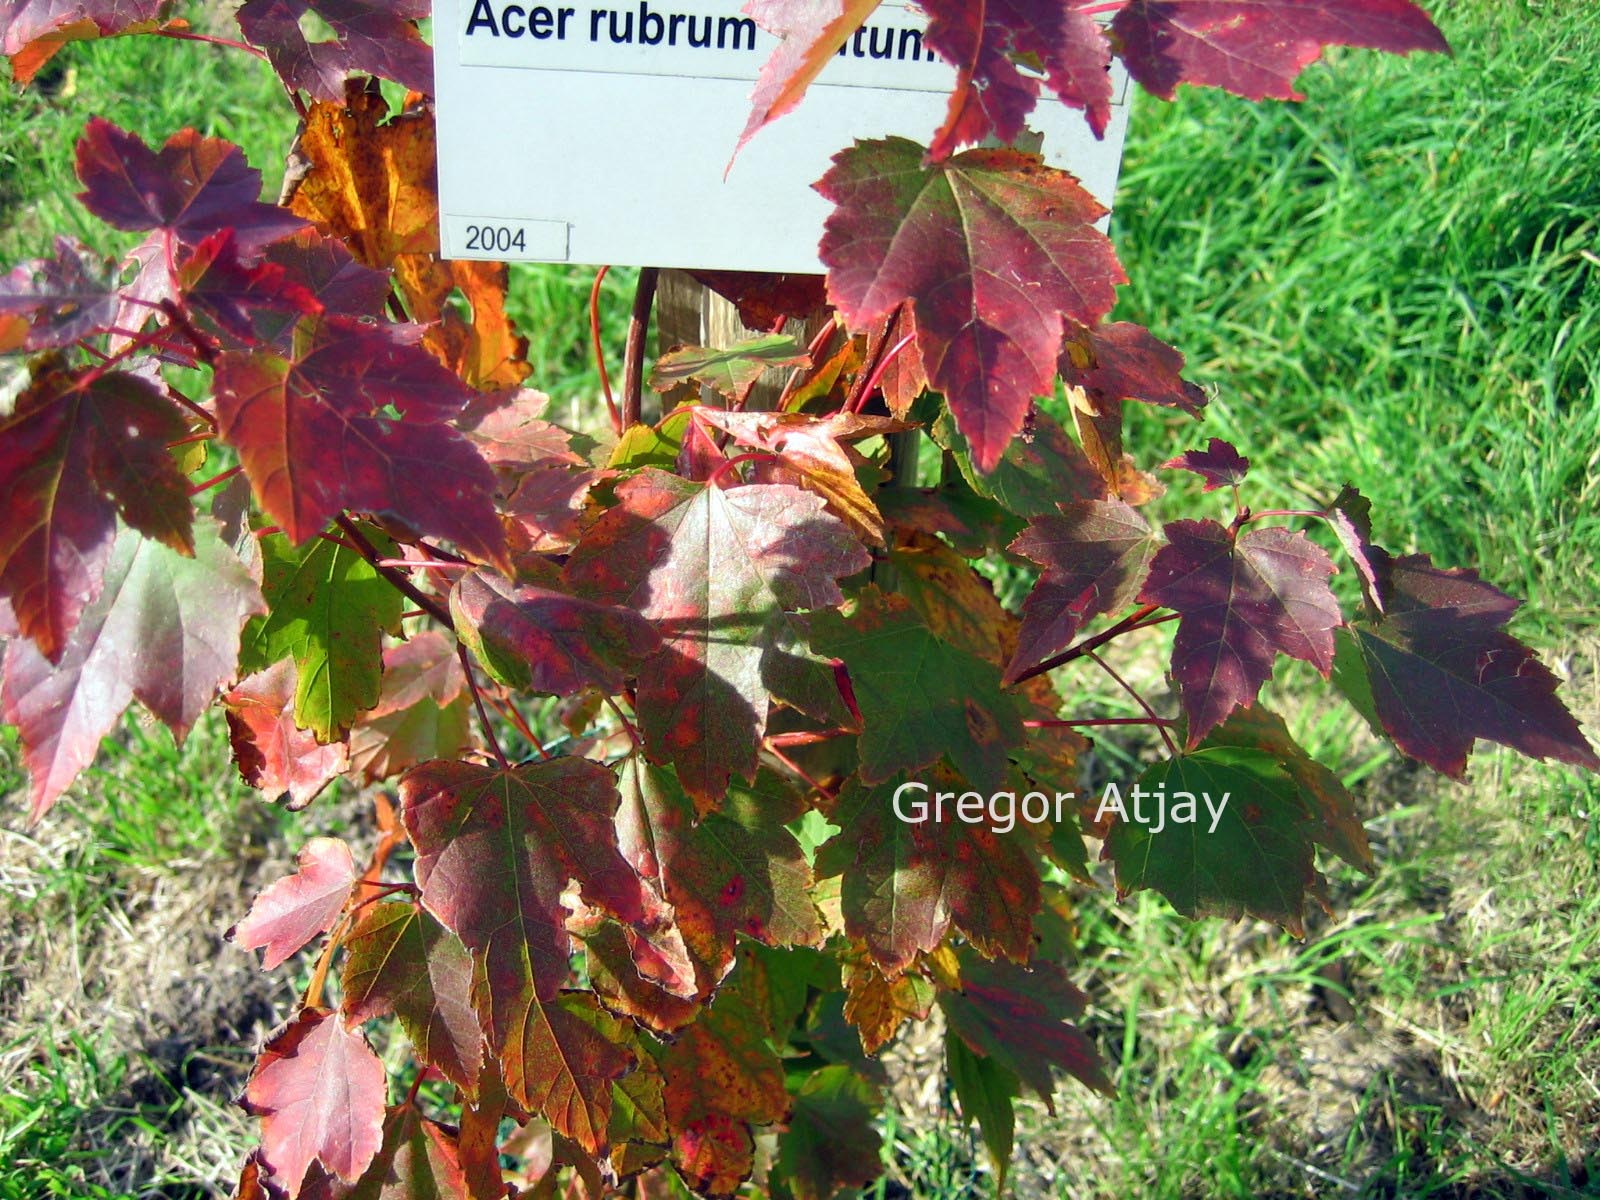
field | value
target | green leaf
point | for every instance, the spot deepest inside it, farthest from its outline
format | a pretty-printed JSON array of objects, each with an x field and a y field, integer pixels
[
  {"x": 328, "y": 610},
  {"x": 830, "y": 1143},
  {"x": 730, "y": 370},
  {"x": 985, "y": 1090},
  {"x": 1257, "y": 860},
  {"x": 919, "y": 696}
]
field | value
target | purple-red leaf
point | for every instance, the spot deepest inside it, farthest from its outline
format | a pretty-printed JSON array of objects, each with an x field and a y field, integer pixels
[
  {"x": 301, "y": 906},
  {"x": 535, "y": 639},
  {"x": 193, "y": 186},
  {"x": 74, "y": 452},
  {"x": 993, "y": 247},
  {"x": 249, "y": 302},
  {"x": 719, "y": 572},
  {"x": 992, "y": 97},
  {"x": 1021, "y": 1019},
  {"x": 371, "y": 37},
  {"x": 1219, "y": 464},
  {"x": 31, "y": 31},
  {"x": 273, "y": 753},
  {"x": 315, "y": 437},
  {"x": 1094, "y": 554},
  {"x": 1443, "y": 672},
  {"x": 1255, "y": 48},
  {"x": 62, "y": 299},
  {"x": 319, "y": 1091},
  {"x": 1242, "y": 599},
  {"x": 164, "y": 629}
]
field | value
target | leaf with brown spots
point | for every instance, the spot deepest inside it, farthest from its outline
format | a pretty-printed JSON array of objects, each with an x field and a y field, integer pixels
[
  {"x": 719, "y": 572},
  {"x": 908, "y": 882},
  {"x": 737, "y": 871},
  {"x": 722, "y": 1077},
  {"x": 919, "y": 696}
]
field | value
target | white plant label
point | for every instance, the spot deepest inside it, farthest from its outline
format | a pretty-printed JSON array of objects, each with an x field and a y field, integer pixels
[{"x": 603, "y": 134}]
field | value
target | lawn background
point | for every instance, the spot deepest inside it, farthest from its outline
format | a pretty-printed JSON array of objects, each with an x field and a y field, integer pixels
[{"x": 1396, "y": 283}]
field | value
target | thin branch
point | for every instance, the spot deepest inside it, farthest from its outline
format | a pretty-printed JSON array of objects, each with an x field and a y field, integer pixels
[
  {"x": 401, "y": 584},
  {"x": 877, "y": 342},
  {"x": 1158, "y": 722},
  {"x": 644, "y": 298},
  {"x": 185, "y": 35},
  {"x": 1140, "y": 618},
  {"x": 794, "y": 767},
  {"x": 483, "y": 713},
  {"x": 1096, "y": 722},
  {"x": 633, "y": 733},
  {"x": 600, "y": 350},
  {"x": 878, "y": 372},
  {"x": 728, "y": 464},
  {"x": 206, "y": 485},
  {"x": 504, "y": 706}
]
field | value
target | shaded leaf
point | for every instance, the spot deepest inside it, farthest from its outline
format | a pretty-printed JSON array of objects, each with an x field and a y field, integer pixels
[
  {"x": 719, "y": 573},
  {"x": 248, "y": 302},
  {"x": 193, "y": 186},
  {"x": 329, "y": 611},
  {"x": 319, "y": 1091},
  {"x": 399, "y": 960},
  {"x": 76, "y": 451},
  {"x": 1255, "y": 48},
  {"x": 422, "y": 711},
  {"x": 272, "y": 752},
  {"x": 510, "y": 431},
  {"x": 550, "y": 507},
  {"x": 1094, "y": 555},
  {"x": 1242, "y": 599},
  {"x": 1257, "y": 860},
  {"x": 1123, "y": 361},
  {"x": 730, "y": 369},
  {"x": 920, "y": 697},
  {"x": 830, "y": 1143},
  {"x": 1037, "y": 472},
  {"x": 986, "y": 1091},
  {"x": 164, "y": 630},
  {"x": 534, "y": 639},
  {"x": 371, "y": 37},
  {"x": 60, "y": 299},
  {"x": 957, "y": 238},
  {"x": 767, "y": 300},
  {"x": 722, "y": 1077},
  {"x": 1443, "y": 672},
  {"x": 418, "y": 1160},
  {"x": 1339, "y": 826},
  {"x": 291, "y": 911}
]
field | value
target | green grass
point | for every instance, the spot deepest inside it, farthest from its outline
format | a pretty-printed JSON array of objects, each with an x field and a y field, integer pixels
[{"x": 1397, "y": 284}]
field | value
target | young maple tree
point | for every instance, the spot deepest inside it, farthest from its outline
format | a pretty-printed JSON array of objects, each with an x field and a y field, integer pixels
[{"x": 663, "y": 947}]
